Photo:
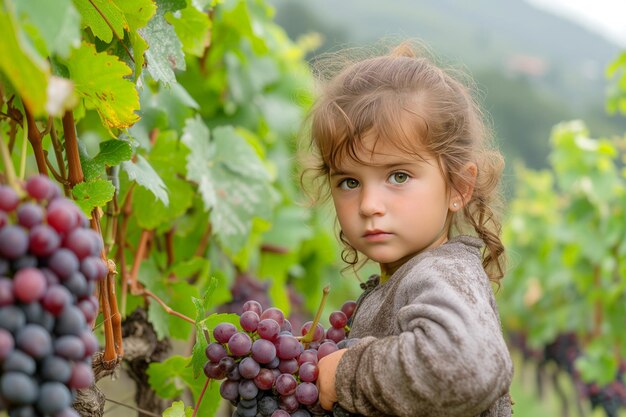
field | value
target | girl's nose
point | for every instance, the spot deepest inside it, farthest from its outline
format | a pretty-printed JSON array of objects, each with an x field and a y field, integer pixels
[{"x": 372, "y": 203}]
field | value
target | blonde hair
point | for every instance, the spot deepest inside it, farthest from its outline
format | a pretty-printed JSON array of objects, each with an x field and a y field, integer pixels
[{"x": 401, "y": 96}]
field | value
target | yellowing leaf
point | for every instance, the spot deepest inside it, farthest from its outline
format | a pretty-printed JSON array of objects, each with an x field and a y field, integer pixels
[{"x": 99, "y": 78}]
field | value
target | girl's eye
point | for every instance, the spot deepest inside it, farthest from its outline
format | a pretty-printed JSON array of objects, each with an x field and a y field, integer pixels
[
  {"x": 348, "y": 184},
  {"x": 398, "y": 178}
]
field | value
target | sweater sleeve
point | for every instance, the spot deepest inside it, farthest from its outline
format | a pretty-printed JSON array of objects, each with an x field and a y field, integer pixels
[{"x": 450, "y": 358}]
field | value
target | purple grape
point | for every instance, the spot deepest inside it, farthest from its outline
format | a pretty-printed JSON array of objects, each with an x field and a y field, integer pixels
[
  {"x": 63, "y": 215},
  {"x": 307, "y": 393},
  {"x": 9, "y": 199},
  {"x": 263, "y": 351},
  {"x": 82, "y": 376},
  {"x": 265, "y": 379},
  {"x": 18, "y": 361},
  {"x": 69, "y": 347},
  {"x": 63, "y": 262},
  {"x": 215, "y": 351},
  {"x": 40, "y": 187},
  {"x": 29, "y": 284},
  {"x": 249, "y": 368},
  {"x": 53, "y": 397},
  {"x": 252, "y": 305},
  {"x": 94, "y": 268},
  {"x": 229, "y": 390},
  {"x": 309, "y": 355},
  {"x": 83, "y": 242},
  {"x": 55, "y": 299},
  {"x": 338, "y": 319},
  {"x": 288, "y": 366},
  {"x": 214, "y": 371},
  {"x": 280, "y": 413},
  {"x": 308, "y": 372},
  {"x": 12, "y": 318},
  {"x": 18, "y": 388},
  {"x": 223, "y": 332},
  {"x": 326, "y": 348},
  {"x": 239, "y": 344},
  {"x": 267, "y": 405},
  {"x": 13, "y": 242},
  {"x": 247, "y": 389},
  {"x": 288, "y": 403},
  {"x": 336, "y": 334},
  {"x": 55, "y": 368},
  {"x": 273, "y": 313},
  {"x": 29, "y": 215},
  {"x": 43, "y": 240},
  {"x": 285, "y": 384},
  {"x": 318, "y": 334},
  {"x": 348, "y": 308},
  {"x": 249, "y": 321},
  {"x": 34, "y": 340},
  {"x": 288, "y": 347},
  {"x": 286, "y": 326},
  {"x": 268, "y": 329}
]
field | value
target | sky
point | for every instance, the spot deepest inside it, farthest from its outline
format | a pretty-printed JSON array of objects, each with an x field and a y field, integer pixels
[{"x": 606, "y": 17}]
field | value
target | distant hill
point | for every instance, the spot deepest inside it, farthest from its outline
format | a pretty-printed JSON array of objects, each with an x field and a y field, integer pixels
[{"x": 534, "y": 68}]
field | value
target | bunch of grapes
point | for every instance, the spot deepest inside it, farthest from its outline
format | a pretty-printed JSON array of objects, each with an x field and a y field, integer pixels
[
  {"x": 49, "y": 266},
  {"x": 268, "y": 371}
]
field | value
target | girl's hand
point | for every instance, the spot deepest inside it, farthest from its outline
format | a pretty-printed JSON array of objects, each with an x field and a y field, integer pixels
[{"x": 327, "y": 367}]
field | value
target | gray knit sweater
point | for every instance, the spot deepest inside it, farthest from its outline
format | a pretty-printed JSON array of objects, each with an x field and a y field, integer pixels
[{"x": 430, "y": 342}]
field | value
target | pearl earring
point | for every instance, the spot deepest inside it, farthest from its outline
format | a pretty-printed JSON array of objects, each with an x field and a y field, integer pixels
[{"x": 455, "y": 205}]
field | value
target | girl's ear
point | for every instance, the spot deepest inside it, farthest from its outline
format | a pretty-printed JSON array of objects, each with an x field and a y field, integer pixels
[{"x": 462, "y": 192}]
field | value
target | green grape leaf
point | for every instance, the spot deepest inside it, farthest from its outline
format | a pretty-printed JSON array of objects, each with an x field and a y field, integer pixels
[
  {"x": 25, "y": 69},
  {"x": 112, "y": 152},
  {"x": 193, "y": 29},
  {"x": 153, "y": 212},
  {"x": 137, "y": 13},
  {"x": 142, "y": 172},
  {"x": 100, "y": 79},
  {"x": 198, "y": 356},
  {"x": 231, "y": 178},
  {"x": 176, "y": 295},
  {"x": 289, "y": 228},
  {"x": 166, "y": 378},
  {"x": 178, "y": 409},
  {"x": 102, "y": 17},
  {"x": 165, "y": 53},
  {"x": 58, "y": 23},
  {"x": 170, "y": 376},
  {"x": 92, "y": 194}
]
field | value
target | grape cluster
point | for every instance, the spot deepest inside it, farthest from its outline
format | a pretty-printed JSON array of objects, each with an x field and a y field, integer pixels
[
  {"x": 49, "y": 266},
  {"x": 268, "y": 371}
]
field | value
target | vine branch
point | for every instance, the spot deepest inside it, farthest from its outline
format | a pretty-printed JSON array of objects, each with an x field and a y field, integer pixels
[{"x": 34, "y": 137}]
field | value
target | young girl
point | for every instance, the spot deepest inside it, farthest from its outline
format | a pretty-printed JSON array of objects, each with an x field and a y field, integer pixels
[{"x": 402, "y": 146}]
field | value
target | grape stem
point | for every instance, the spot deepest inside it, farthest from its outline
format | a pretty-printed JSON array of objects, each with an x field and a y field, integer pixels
[
  {"x": 58, "y": 153},
  {"x": 34, "y": 137},
  {"x": 308, "y": 337},
  {"x": 71, "y": 150},
  {"x": 206, "y": 385}
]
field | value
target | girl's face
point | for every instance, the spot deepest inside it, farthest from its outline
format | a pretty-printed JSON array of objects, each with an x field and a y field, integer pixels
[{"x": 392, "y": 205}]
